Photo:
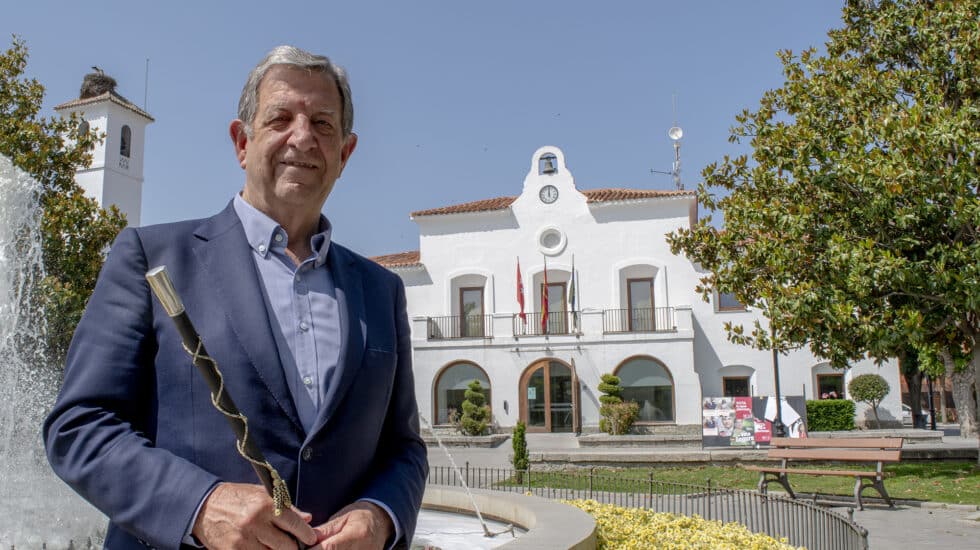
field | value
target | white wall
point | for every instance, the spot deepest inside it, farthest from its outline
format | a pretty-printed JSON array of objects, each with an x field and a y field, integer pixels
[{"x": 610, "y": 242}]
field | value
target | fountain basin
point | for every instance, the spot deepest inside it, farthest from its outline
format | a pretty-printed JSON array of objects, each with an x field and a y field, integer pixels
[{"x": 550, "y": 525}]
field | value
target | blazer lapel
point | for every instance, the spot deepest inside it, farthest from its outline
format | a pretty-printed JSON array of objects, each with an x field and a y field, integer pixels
[
  {"x": 227, "y": 257},
  {"x": 353, "y": 330}
]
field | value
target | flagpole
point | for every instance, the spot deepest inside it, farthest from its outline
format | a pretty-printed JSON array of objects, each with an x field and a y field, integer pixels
[{"x": 544, "y": 298}]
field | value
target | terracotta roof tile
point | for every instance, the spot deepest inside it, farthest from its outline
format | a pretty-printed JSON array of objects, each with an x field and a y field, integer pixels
[
  {"x": 400, "y": 259},
  {"x": 593, "y": 196},
  {"x": 609, "y": 195},
  {"x": 108, "y": 96},
  {"x": 486, "y": 205}
]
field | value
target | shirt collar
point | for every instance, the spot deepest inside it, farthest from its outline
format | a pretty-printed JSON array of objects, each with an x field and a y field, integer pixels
[{"x": 265, "y": 234}]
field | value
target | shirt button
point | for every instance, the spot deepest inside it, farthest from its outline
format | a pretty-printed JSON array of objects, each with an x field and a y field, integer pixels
[
  {"x": 307, "y": 381},
  {"x": 299, "y": 277},
  {"x": 261, "y": 249},
  {"x": 278, "y": 237},
  {"x": 304, "y": 326},
  {"x": 307, "y": 454}
]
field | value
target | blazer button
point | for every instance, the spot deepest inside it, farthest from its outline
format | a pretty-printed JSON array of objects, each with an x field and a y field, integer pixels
[{"x": 308, "y": 454}]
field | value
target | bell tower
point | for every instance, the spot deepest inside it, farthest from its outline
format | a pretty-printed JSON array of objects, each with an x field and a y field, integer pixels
[{"x": 116, "y": 173}]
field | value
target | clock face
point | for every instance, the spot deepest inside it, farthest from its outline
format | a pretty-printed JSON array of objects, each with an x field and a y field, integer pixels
[{"x": 548, "y": 194}]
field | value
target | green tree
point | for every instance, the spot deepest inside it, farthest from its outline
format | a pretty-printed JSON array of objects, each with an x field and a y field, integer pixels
[
  {"x": 76, "y": 231},
  {"x": 521, "y": 458},
  {"x": 870, "y": 389},
  {"x": 855, "y": 221},
  {"x": 476, "y": 413}
]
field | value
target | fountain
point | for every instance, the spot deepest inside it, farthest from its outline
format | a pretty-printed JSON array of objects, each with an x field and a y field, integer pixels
[
  {"x": 36, "y": 508},
  {"x": 486, "y": 530}
]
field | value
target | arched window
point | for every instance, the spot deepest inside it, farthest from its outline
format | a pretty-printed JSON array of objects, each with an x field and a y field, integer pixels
[
  {"x": 647, "y": 382},
  {"x": 125, "y": 141},
  {"x": 451, "y": 387}
]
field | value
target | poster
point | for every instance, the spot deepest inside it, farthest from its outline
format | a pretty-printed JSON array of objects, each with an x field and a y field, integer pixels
[{"x": 747, "y": 421}]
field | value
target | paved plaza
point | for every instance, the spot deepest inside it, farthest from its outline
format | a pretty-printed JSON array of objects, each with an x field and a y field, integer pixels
[{"x": 905, "y": 527}]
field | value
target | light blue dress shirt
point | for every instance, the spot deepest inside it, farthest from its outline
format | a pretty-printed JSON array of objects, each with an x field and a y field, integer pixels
[
  {"x": 303, "y": 301},
  {"x": 302, "y": 304}
]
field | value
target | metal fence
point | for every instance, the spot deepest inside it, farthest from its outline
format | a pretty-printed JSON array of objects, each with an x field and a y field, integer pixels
[
  {"x": 801, "y": 523},
  {"x": 460, "y": 326},
  {"x": 558, "y": 322},
  {"x": 642, "y": 319}
]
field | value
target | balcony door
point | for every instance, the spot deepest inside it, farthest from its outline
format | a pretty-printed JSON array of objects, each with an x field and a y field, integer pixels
[
  {"x": 557, "y": 306},
  {"x": 471, "y": 312},
  {"x": 548, "y": 397},
  {"x": 640, "y": 296}
]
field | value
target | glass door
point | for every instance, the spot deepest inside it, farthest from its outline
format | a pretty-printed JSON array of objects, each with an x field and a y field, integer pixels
[
  {"x": 471, "y": 312},
  {"x": 549, "y": 398},
  {"x": 641, "y": 305}
]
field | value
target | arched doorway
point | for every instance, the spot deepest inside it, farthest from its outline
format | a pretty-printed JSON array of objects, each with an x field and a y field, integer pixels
[{"x": 548, "y": 397}]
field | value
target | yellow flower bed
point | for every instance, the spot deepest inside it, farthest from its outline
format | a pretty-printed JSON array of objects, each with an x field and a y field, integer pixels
[{"x": 632, "y": 528}]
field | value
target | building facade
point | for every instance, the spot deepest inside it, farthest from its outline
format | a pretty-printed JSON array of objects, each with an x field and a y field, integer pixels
[
  {"x": 115, "y": 176},
  {"x": 631, "y": 309}
]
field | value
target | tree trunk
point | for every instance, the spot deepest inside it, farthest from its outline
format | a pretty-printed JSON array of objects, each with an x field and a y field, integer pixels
[
  {"x": 913, "y": 379},
  {"x": 975, "y": 364},
  {"x": 963, "y": 395},
  {"x": 942, "y": 398}
]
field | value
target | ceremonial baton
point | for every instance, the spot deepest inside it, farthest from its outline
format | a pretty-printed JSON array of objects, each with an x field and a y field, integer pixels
[{"x": 164, "y": 290}]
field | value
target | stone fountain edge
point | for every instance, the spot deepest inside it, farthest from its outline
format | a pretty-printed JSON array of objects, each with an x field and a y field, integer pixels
[{"x": 550, "y": 525}]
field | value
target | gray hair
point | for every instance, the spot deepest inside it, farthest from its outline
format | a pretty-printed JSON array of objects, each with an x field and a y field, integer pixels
[{"x": 295, "y": 57}]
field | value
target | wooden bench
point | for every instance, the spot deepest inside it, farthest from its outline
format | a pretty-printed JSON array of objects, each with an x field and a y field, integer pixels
[{"x": 877, "y": 451}]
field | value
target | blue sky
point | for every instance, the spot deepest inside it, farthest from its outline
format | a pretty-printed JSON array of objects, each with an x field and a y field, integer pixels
[{"x": 451, "y": 97}]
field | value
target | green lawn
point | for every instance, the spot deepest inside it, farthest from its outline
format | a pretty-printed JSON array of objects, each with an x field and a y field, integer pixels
[{"x": 949, "y": 482}]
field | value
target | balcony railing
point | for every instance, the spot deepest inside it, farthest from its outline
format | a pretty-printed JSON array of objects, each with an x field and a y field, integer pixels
[
  {"x": 559, "y": 322},
  {"x": 644, "y": 319},
  {"x": 460, "y": 326}
]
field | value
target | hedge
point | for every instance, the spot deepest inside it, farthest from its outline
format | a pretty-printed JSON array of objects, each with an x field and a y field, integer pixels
[{"x": 826, "y": 415}]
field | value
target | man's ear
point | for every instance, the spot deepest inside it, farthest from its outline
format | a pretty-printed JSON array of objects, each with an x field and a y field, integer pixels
[
  {"x": 347, "y": 149},
  {"x": 239, "y": 139}
]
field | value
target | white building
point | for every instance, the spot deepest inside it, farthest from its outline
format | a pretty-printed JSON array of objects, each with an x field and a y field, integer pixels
[
  {"x": 116, "y": 173},
  {"x": 636, "y": 313}
]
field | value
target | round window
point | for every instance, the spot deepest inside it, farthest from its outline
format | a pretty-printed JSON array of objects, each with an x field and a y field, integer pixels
[{"x": 551, "y": 240}]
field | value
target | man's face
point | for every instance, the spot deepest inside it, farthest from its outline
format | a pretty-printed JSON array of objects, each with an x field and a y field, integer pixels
[{"x": 297, "y": 149}]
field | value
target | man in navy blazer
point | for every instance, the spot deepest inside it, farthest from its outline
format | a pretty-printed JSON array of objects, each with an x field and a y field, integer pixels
[{"x": 312, "y": 340}]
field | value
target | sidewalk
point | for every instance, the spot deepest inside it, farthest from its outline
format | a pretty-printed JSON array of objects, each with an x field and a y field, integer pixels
[{"x": 905, "y": 527}]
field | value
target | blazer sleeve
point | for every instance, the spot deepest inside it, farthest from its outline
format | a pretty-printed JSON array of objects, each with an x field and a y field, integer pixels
[
  {"x": 99, "y": 435},
  {"x": 403, "y": 468}
]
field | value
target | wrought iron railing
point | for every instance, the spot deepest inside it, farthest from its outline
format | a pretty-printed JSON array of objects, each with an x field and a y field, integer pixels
[
  {"x": 641, "y": 319},
  {"x": 558, "y": 322},
  {"x": 460, "y": 326},
  {"x": 800, "y": 522}
]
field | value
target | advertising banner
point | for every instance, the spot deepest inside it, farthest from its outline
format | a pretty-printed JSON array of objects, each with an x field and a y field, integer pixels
[{"x": 747, "y": 421}]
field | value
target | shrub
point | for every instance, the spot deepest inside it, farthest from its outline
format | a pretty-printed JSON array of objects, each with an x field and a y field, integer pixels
[
  {"x": 826, "y": 415},
  {"x": 610, "y": 389},
  {"x": 618, "y": 527},
  {"x": 520, "y": 459},
  {"x": 870, "y": 389},
  {"x": 476, "y": 413},
  {"x": 619, "y": 417}
]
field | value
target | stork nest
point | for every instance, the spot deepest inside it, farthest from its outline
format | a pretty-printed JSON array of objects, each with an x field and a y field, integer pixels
[{"x": 96, "y": 84}]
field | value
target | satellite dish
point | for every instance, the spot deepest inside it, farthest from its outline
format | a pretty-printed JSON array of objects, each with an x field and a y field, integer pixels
[{"x": 675, "y": 133}]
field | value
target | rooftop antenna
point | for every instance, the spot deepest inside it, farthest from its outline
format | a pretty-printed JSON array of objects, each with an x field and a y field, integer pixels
[
  {"x": 146, "y": 82},
  {"x": 675, "y": 133}
]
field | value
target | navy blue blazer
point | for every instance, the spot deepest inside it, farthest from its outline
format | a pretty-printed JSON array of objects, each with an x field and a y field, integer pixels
[{"x": 133, "y": 429}]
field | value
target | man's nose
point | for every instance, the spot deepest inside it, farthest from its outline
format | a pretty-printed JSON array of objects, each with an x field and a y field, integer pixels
[{"x": 301, "y": 134}]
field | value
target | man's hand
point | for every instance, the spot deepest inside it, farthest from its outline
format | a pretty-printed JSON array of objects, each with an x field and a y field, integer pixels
[
  {"x": 359, "y": 526},
  {"x": 240, "y": 516}
]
